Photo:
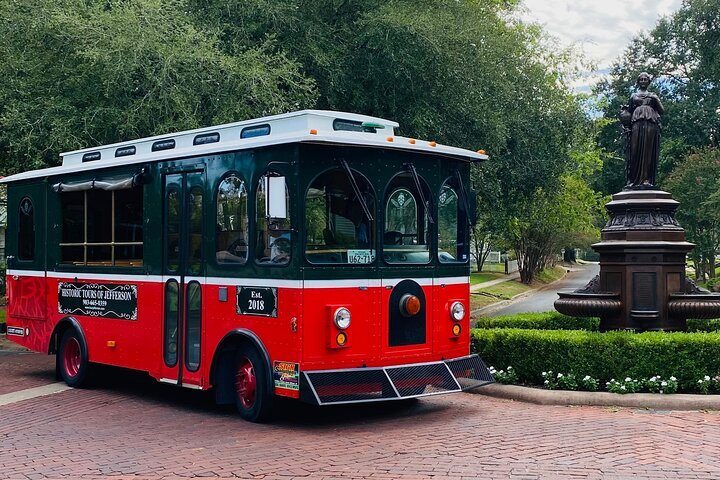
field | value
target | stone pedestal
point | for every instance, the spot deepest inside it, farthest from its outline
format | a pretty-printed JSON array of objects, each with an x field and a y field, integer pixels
[
  {"x": 642, "y": 284},
  {"x": 642, "y": 259}
]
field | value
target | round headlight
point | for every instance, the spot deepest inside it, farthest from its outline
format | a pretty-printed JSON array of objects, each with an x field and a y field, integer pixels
[
  {"x": 342, "y": 318},
  {"x": 457, "y": 311}
]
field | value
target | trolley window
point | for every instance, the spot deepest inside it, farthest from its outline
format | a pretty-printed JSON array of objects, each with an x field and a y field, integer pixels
[
  {"x": 407, "y": 236},
  {"x": 452, "y": 225},
  {"x": 26, "y": 230},
  {"x": 272, "y": 220},
  {"x": 338, "y": 229},
  {"x": 232, "y": 221},
  {"x": 102, "y": 227}
]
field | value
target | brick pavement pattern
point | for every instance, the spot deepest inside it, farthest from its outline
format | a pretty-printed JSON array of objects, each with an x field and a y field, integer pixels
[{"x": 129, "y": 426}]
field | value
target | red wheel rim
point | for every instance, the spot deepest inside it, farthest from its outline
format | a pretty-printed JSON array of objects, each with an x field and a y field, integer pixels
[
  {"x": 71, "y": 357},
  {"x": 245, "y": 382}
]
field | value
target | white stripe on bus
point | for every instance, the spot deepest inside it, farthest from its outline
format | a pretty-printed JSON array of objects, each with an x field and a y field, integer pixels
[{"x": 254, "y": 282}]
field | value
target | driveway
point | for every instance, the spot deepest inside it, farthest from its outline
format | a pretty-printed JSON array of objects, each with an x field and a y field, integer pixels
[
  {"x": 130, "y": 426},
  {"x": 542, "y": 300}
]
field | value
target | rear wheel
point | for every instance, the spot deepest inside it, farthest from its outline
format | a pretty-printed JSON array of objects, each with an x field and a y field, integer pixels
[
  {"x": 72, "y": 360},
  {"x": 253, "y": 394}
]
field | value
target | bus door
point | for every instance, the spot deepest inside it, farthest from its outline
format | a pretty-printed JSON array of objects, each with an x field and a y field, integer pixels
[{"x": 183, "y": 276}]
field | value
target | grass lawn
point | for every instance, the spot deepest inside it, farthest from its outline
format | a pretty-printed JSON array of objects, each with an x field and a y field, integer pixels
[
  {"x": 494, "y": 267},
  {"x": 549, "y": 275},
  {"x": 476, "y": 277}
]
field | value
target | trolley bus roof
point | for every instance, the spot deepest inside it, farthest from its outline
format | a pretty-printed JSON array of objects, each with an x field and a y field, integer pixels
[{"x": 305, "y": 126}]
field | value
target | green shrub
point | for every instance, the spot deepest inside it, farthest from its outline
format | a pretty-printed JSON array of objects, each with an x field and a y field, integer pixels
[
  {"x": 558, "y": 321},
  {"x": 540, "y": 321},
  {"x": 603, "y": 356}
]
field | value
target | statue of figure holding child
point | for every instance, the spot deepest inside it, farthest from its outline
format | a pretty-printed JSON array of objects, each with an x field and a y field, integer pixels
[{"x": 642, "y": 127}]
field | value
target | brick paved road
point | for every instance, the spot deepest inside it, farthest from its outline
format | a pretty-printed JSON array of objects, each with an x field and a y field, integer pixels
[{"x": 129, "y": 426}]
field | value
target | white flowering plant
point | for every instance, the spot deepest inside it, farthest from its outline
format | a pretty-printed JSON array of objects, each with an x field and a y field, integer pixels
[
  {"x": 705, "y": 384},
  {"x": 657, "y": 384},
  {"x": 588, "y": 383},
  {"x": 507, "y": 376},
  {"x": 628, "y": 385},
  {"x": 560, "y": 381}
]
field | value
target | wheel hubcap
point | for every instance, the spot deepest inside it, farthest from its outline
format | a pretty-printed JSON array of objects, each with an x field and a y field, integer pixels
[
  {"x": 245, "y": 382},
  {"x": 71, "y": 357}
]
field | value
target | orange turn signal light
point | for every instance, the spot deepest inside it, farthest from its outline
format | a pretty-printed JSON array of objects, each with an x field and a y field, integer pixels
[
  {"x": 341, "y": 338},
  {"x": 457, "y": 329},
  {"x": 410, "y": 305}
]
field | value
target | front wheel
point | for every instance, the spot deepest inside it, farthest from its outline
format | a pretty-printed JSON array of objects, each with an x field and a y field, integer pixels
[
  {"x": 253, "y": 390},
  {"x": 72, "y": 360}
]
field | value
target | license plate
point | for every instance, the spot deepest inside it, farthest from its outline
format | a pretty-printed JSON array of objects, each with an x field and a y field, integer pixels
[{"x": 361, "y": 256}]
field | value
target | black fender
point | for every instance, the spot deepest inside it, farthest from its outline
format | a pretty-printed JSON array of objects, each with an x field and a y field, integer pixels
[
  {"x": 221, "y": 368},
  {"x": 59, "y": 330}
]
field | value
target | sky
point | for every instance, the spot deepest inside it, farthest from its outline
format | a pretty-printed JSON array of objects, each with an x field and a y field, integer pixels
[{"x": 601, "y": 28}]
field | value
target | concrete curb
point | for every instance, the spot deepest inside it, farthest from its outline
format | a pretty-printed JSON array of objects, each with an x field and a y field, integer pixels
[{"x": 537, "y": 396}]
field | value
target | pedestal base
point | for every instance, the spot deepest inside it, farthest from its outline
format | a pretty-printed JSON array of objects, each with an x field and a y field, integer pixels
[{"x": 642, "y": 264}]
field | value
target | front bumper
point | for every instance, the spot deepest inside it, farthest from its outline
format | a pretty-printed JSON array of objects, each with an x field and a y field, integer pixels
[{"x": 356, "y": 385}]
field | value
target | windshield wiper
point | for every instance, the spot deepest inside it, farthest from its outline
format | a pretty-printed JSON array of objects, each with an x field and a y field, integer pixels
[
  {"x": 356, "y": 189},
  {"x": 416, "y": 178},
  {"x": 464, "y": 196}
]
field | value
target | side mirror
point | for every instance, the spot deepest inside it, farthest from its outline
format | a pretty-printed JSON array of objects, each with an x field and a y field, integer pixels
[
  {"x": 472, "y": 202},
  {"x": 275, "y": 198}
]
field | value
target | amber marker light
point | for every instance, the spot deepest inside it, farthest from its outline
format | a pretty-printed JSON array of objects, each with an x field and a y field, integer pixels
[
  {"x": 390, "y": 139},
  {"x": 111, "y": 343},
  {"x": 433, "y": 144},
  {"x": 457, "y": 329},
  {"x": 313, "y": 132},
  {"x": 341, "y": 338},
  {"x": 481, "y": 152},
  {"x": 410, "y": 305},
  {"x": 411, "y": 141}
]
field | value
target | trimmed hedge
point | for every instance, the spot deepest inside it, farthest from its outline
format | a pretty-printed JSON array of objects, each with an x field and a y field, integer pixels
[
  {"x": 687, "y": 356},
  {"x": 540, "y": 321},
  {"x": 558, "y": 321}
]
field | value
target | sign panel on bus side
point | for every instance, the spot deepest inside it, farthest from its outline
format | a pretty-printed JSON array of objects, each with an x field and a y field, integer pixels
[
  {"x": 98, "y": 300},
  {"x": 257, "y": 301}
]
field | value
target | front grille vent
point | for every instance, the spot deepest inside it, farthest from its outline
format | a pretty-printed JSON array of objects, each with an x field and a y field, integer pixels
[{"x": 394, "y": 383}]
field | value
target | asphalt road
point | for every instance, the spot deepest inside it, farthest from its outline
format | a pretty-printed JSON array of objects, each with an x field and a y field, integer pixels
[{"x": 543, "y": 299}]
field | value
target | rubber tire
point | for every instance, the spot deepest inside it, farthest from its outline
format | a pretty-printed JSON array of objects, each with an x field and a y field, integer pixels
[
  {"x": 81, "y": 378},
  {"x": 261, "y": 409}
]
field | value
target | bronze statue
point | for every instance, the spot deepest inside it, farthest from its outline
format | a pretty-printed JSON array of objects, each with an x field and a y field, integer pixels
[{"x": 641, "y": 124}]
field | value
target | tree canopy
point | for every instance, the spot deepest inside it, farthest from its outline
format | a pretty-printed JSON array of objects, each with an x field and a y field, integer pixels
[
  {"x": 77, "y": 73},
  {"x": 462, "y": 72}
]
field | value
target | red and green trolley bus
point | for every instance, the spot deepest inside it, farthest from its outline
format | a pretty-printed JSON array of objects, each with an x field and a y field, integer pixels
[{"x": 313, "y": 255}]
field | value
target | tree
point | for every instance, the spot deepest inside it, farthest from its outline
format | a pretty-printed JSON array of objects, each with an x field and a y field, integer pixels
[
  {"x": 695, "y": 183},
  {"x": 79, "y": 73}
]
